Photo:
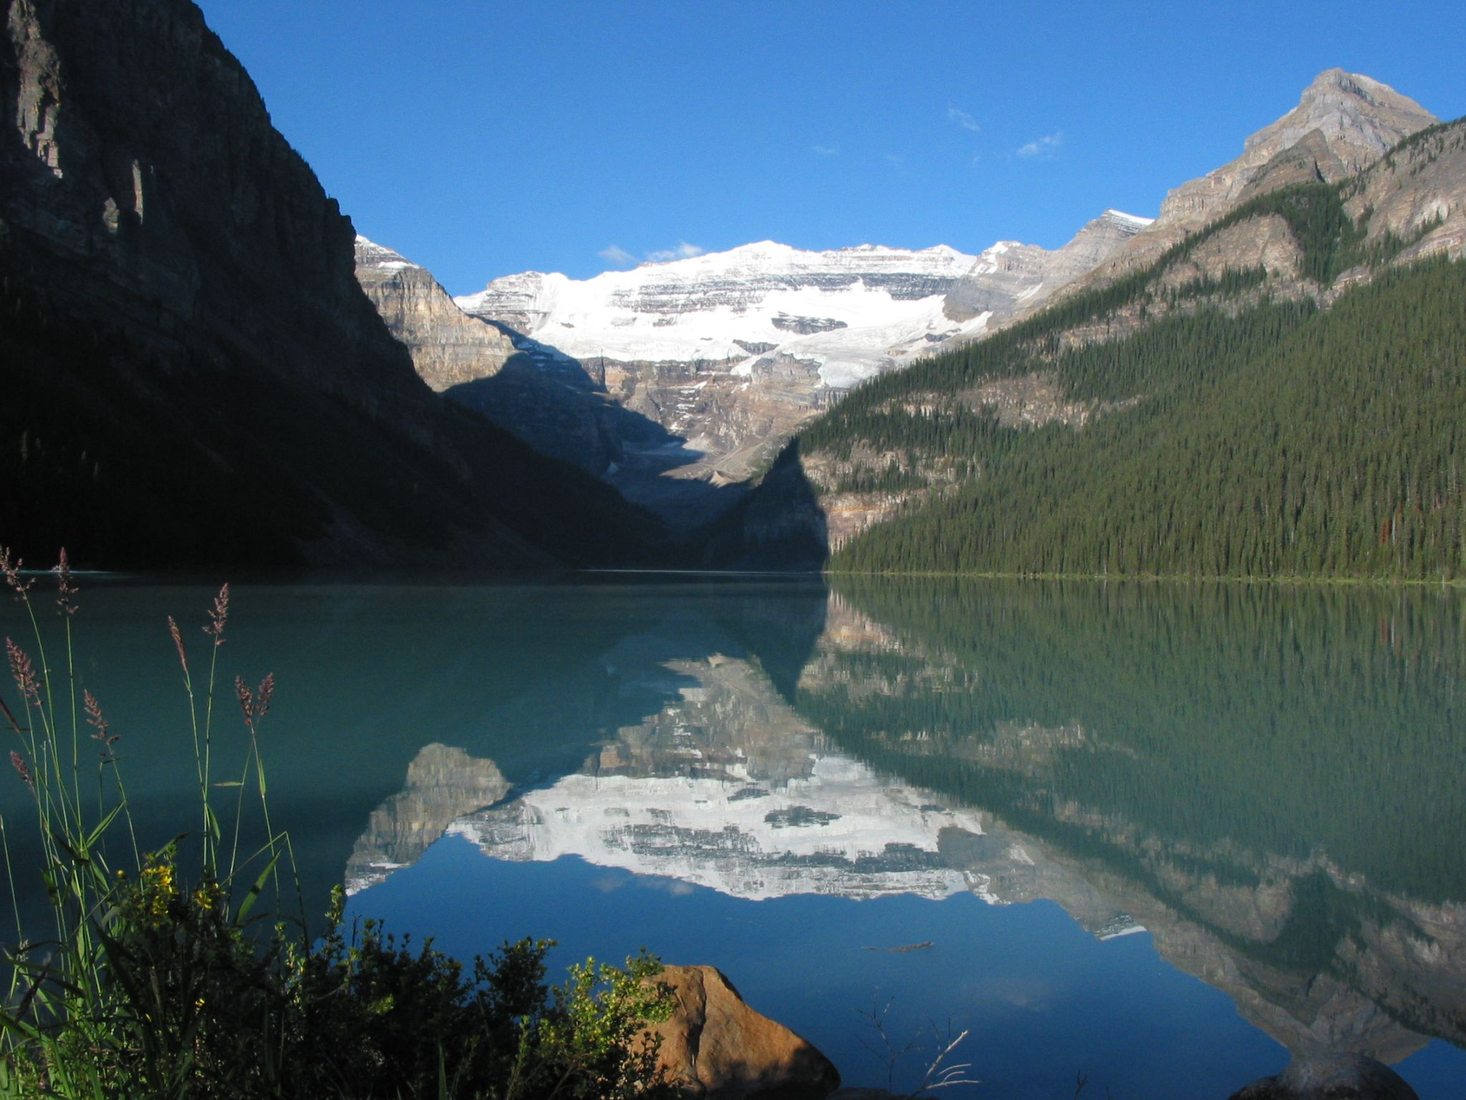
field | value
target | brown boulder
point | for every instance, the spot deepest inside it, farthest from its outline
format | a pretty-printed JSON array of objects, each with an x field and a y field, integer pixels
[
  {"x": 1338, "y": 1077},
  {"x": 715, "y": 1046}
]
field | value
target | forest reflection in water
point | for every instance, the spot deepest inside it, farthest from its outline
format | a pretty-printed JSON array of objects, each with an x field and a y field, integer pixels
[
  {"x": 1264, "y": 778},
  {"x": 1269, "y": 777}
]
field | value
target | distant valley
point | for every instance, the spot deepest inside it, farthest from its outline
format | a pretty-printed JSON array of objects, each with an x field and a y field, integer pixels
[{"x": 719, "y": 359}]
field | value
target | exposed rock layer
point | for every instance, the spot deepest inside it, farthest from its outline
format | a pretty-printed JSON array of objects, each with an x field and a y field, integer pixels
[
  {"x": 546, "y": 401},
  {"x": 448, "y": 347}
]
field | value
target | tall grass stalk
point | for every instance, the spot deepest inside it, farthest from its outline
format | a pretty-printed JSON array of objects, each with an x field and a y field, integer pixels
[
  {"x": 76, "y": 984},
  {"x": 157, "y": 984}
]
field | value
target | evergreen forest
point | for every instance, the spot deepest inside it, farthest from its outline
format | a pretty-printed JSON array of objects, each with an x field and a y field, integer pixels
[{"x": 1231, "y": 427}]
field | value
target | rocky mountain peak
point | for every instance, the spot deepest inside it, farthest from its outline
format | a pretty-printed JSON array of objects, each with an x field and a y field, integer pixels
[
  {"x": 1359, "y": 118},
  {"x": 1331, "y": 84},
  {"x": 1347, "y": 120},
  {"x": 1098, "y": 238},
  {"x": 1343, "y": 123},
  {"x": 378, "y": 255}
]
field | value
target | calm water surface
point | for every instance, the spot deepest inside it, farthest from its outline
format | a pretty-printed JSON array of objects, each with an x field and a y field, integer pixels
[{"x": 1159, "y": 836}]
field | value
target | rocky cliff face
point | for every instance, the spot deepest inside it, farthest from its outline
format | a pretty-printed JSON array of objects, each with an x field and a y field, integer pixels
[
  {"x": 448, "y": 347},
  {"x": 197, "y": 376},
  {"x": 140, "y": 154},
  {"x": 545, "y": 400},
  {"x": 1417, "y": 195}
]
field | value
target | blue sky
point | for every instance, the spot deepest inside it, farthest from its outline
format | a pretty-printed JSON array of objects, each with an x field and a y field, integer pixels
[{"x": 485, "y": 138}]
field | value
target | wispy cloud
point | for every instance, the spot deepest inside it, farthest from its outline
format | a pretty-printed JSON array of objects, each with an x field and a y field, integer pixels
[
  {"x": 1042, "y": 148},
  {"x": 614, "y": 253},
  {"x": 682, "y": 251},
  {"x": 896, "y": 160},
  {"x": 963, "y": 119},
  {"x": 617, "y": 256},
  {"x": 825, "y": 150}
]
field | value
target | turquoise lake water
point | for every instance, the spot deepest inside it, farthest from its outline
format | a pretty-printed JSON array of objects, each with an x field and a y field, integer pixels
[{"x": 1159, "y": 836}]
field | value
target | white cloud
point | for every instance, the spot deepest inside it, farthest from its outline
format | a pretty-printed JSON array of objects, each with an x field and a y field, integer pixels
[
  {"x": 1044, "y": 147},
  {"x": 616, "y": 255},
  {"x": 963, "y": 119},
  {"x": 825, "y": 150},
  {"x": 683, "y": 251}
]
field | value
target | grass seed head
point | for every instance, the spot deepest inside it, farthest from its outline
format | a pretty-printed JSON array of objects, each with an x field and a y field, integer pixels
[
  {"x": 177, "y": 636},
  {"x": 24, "y": 673},
  {"x": 219, "y": 616},
  {"x": 66, "y": 587},
  {"x": 10, "y": 570},
  {"x": 18, "y": 763}
]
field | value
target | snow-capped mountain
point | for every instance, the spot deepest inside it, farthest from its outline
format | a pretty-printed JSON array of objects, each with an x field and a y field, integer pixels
[
  {"x": 676, "y": 380},
  {"x": 852, "y": 312},
  {"x": 729, "y": 353}
]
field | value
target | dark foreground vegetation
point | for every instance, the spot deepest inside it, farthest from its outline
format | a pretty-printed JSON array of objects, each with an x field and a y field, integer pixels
[{"x": 161, "y": 973}]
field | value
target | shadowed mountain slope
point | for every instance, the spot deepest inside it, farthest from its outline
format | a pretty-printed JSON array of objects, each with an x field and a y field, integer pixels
[{"x": 192, "y": 374}]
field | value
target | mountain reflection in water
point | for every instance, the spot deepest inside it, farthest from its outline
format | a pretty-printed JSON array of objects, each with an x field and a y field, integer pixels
[{"x": 1265, "y": 779}]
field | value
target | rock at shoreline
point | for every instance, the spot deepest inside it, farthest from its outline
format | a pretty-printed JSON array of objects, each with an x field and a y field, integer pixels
[
  {"x": 715, "y": 1046},
  {"x": 1341, "y": 1077}
]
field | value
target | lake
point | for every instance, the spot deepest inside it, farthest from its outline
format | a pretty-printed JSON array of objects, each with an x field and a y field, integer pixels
[{"x": 1153, "y": 836}]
